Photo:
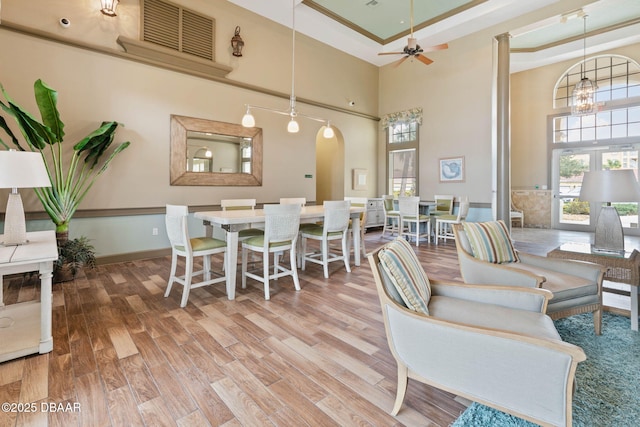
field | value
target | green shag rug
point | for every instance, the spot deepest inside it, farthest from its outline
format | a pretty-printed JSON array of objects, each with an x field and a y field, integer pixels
[{"x": 608, "y": 382}]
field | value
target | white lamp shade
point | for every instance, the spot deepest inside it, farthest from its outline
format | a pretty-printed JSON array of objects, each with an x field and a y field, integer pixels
[
  {"x": 620, "y": 185},
  {"x": 248, "y": 120},
  {"x": 328, "y": 132},
  {"x": 22, "y": 169},
  {"x": 293, "y": 127}
]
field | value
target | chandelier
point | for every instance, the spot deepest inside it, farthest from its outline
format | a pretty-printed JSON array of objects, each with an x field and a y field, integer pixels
[
  {"x": 249, "y": 121},
  {"x": 584, "y": 94}
]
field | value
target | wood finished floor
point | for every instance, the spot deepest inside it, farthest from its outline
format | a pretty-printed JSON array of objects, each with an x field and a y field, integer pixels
[{"x": 127, "y": 356}]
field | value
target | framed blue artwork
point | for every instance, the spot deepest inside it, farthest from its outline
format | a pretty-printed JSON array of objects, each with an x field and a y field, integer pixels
[{"x": 452, "y": 169}]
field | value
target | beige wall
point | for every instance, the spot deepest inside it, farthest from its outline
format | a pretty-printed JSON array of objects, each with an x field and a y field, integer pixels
[
  {"x": 532, "y": 102},
  {"x": 455, "y": 93},
  {"x": 93, "y": 87}
]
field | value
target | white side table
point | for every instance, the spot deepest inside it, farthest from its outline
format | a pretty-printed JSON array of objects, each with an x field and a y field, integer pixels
[{"x": 25, "y": 328}]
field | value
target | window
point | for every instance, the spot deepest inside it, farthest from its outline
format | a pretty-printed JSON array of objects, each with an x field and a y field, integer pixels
[
  {"x": 607, "y": 139},
  {"x": 402, "y": 151}
]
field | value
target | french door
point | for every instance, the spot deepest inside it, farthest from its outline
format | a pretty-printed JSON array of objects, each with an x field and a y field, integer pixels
[{"x": 571, "y": 213}]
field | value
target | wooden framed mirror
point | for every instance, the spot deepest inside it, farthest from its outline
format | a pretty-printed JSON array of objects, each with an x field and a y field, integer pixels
[{"x": 207, "y": 152}]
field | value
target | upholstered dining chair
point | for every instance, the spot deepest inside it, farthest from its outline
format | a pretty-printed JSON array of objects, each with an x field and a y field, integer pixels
[
  {"x": 281, "y": 228},
  {"x": 410, "y": 216},
  {"x": 444, "y": 204},
  {"x": 242, "y": 204},
  {"x": 360, "y": 202},
  {"x": 391, "y": 216},
  {"x": 517, "y": 215},
  {"x": 335, "y": 227},
  {"x": 190, "y": 248},
  {"x": 443, "y": 225}
]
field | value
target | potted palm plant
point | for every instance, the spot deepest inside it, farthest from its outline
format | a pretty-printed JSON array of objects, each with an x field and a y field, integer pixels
[{"x": 72, "y": 172}]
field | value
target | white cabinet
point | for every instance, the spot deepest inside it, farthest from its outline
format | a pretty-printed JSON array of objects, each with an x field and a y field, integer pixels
[
  {"x": 375, "y": 213},
  {"x": 25, "y": 328}
]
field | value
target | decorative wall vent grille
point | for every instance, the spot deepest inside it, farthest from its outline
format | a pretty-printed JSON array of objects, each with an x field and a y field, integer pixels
[{"x": 177, "y": 28}]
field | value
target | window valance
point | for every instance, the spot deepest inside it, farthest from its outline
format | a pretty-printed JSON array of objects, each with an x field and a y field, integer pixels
[{"x": 412, "y": 115}]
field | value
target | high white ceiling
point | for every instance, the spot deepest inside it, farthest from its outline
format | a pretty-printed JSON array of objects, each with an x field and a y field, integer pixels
[{"x": 364, "y": 28}]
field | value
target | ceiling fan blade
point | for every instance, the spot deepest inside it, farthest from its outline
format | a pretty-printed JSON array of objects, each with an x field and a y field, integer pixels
[
  {"x": 423, "y": 59},
  {"x": 391, "y": 53},
  {"x": 400, "y": 61},
  {"x": 436, "y": 47}
]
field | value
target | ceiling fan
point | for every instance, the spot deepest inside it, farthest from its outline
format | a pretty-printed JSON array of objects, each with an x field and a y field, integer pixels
[{"x": 413, "y": 49}]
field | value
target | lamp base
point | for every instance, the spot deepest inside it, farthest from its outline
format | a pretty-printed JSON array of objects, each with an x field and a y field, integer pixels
[
  {"x": 609, "y": 236},
  {"x": 15, "y": 229}
]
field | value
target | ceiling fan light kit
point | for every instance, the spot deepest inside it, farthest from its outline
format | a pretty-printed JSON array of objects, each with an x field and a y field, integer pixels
[
  {"x": 413, "y": 49},
  {"x": 292, "y": 127}
]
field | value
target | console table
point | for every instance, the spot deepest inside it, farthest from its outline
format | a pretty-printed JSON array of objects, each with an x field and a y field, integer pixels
[
  {"x": 25, "y": 328},
  {"x": 620, "y": 268}
]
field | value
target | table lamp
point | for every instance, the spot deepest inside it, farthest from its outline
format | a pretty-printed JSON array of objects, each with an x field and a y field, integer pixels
[
  {"x": 19, "y": 169},
  {"x": 609, "y": 186}
]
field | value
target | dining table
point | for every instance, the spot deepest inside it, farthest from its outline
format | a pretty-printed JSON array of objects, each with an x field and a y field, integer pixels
[{"x": 232, "y": 221}]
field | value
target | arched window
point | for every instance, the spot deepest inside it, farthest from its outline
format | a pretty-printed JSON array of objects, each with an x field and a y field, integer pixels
[
  {"x": 618, "y": 81},
  {"x": 606, "y": 139}
]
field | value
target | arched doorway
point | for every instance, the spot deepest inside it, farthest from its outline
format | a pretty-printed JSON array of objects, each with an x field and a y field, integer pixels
[{"x": 329, "y": 166}]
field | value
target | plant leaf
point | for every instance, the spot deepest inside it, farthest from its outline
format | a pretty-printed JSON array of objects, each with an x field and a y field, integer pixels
[{"x": 47, "y": 98}]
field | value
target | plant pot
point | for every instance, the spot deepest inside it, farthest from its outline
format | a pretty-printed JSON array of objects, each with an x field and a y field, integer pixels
[{"x": 63, "y": 274}]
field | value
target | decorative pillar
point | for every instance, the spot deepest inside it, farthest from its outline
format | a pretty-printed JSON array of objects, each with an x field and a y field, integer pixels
[{"x": 503, "y": 131}]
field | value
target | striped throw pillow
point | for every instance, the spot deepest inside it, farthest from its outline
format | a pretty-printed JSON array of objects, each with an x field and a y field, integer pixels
[
  {"x": 490, "y": 241},
  {"x": 403, "y": 268}
]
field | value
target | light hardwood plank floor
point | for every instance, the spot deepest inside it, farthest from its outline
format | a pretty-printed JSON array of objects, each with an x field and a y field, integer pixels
[{"x": 126, "y": 356}]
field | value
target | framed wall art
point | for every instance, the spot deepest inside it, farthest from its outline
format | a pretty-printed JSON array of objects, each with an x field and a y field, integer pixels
[
  {"x": 452, "y": 169},
  {"x": 359, "y": 179}
]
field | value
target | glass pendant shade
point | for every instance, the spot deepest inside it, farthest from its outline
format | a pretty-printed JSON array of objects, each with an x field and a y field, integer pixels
[
  {"x": 293, "y": 127},
  {"x": 328, "y": 132},
  {"x": 584, "y": 97},
  {"x": 248, "y": 120}
]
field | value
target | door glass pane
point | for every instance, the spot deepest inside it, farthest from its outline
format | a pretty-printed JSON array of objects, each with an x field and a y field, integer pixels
[
  {"x": 627, "y": 159},
  {"x": 402, "y": 172},
  {"x": 572, "y": 209}
]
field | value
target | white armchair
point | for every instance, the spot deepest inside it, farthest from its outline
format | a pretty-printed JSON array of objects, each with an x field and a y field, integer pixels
[
  {"x": 576, "y": 285},
  {"x": 490, "y": 344}
]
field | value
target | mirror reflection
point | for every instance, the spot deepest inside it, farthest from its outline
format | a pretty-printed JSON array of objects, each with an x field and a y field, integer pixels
[{"x": 208, "y": 152}]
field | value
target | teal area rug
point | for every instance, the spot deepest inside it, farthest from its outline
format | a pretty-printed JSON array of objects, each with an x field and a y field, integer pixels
[{"x": 608, "y": 382}]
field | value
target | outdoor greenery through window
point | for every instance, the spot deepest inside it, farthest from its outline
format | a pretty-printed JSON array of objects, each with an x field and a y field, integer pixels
[
  {"x": 607, "y": 139},
  {"x": 402, "y": 149}
]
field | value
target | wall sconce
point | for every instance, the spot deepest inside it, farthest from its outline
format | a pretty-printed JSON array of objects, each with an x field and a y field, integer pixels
[
  {"x": 108, "y": 7},
  {"x": 237, "y": 43}
]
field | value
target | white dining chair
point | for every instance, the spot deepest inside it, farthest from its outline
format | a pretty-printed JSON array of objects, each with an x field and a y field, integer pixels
[
  {"x": 281, "y": 228},
  {"x": 242, "y": 204},
  {"x": 444, "y": 223},
  {"x": 391, "y": 216},
  {"x": 444, "y": 204},
  {"x": 411, "y": 219},
  {"x": 335, "y": 227},
  {"x": 517, "y": 214},
  {"x": 189, "y": 248}
]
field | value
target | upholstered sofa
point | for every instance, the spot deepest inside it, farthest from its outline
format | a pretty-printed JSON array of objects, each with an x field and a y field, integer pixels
[
  {"x": 489, "y": 344},
  {"x": 576, "y": 285}
]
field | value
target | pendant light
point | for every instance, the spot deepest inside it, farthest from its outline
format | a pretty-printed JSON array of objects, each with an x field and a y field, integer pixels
[
  {"x": 292, "y": 127},
  {"x": 584, "y": 94}
]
